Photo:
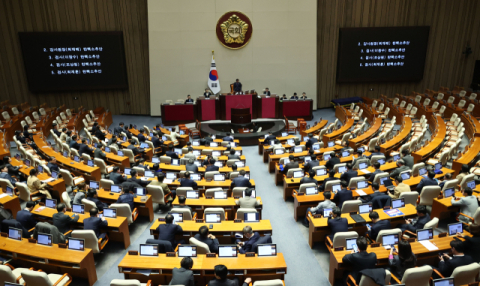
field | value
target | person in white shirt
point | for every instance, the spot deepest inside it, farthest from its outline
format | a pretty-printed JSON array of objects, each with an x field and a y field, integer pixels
[{"x": 468, "y": 204}]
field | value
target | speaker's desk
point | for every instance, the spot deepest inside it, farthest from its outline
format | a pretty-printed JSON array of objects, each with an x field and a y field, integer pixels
[
  {"x": 117, "y": 227},
  {"x": 50, "y": 259},
  {"x": 144, "y": 208}
]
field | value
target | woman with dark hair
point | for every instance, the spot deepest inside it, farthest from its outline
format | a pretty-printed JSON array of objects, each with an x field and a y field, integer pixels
[
  {"x": 402, "y": 260},
  {"x": 465, "y": 171},
  {"x": 184, "y": 274},
  {"x": 472, "y": 244}
]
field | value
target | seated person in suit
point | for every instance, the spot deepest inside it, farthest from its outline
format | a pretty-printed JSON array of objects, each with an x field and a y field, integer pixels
[
  {"x": 247, "y": 246},
  {"x": 402, "y": 260},
  {"x": 326, "y": 204},
  {"x": 407, "y": 158},
  {"x": 247, "y": 202},
  {"x": 182, "y": 205},
  {"x": 190, "y": 154},
  {"x": 98, "y": 153},
  {"x": 207, "y": 93},
  {"x": 269, "y": 138},
  {"x": 25, "y": 216},
  {"x": 446, "y": 178},
  {"x": 119, "y": 129},
  {"x": 221, "y": 273},
  {"x": 468, "y": 205},
  {"x": 304, "y": 96},
  {"x": 333, "y": 161},
  {"x": 472, "y": 243},
  {"x": 400, "y": 168},
  {"x": 208, "y": 139},
  {"x": 127, "y": 197},
  {"x": 419, "y": 223},
  {"x": 141, "y": 135},
  {"x": 228, "y": 138},
  {"x": 12, "y": 170},
  {"x": 116, "y": 176},
  {"x": 349, "y": 174},
  {"x": 204, "y": 236},
  {"x": 134, "y": 149},
  {"x": 62, "y": 221},
  {"x": 141, "y": 164},
  {"x": 376, "y": 166},
  {"x": 157, "y": 143},
  {"x": 463, "y": 172},
  {"x": 166, "y": 190},
  {"x": 133, "y": 179},
  {"x": 52, "y": 165},
  {"x": 187, "y": 182},
  {"x": 266, "y": 91},
  {"x": 84, "y": 148},
  {"x": 171, "y": 153},
  {"x": 240, "y": 181},
  {"x": 429, "y": 181},
  {"x": 368, "y": 198},
  {"x": 447, "y": 264},
  {"x": 95, "y": 127},
  {"x": 55, "y": 130},
  {"x": 331, "y": 177},
  {"x": 211, "y": 165},
  {"x": 6, "y": 176},
  {"x": 310, "y": 178},
  {"x": 99, "y": 134},
  {"x": 377, "y": 225},
  {"x": 377, "y": 152},
  {"x": 112, "y": 140},
  {"x": 168, "y": 230},
  {"x": 336, "y": 222},
  {"x": 361, "y": 260},
  {"x": 74, "y": 144},
  {"x": 399, "y": 188},
  {"x": 360, "y": 156},
  {"x": 343, "y": 195},
  {"x": 311, "y": 141},
  {"x": 284, "y": 96},
  {"x": 232, "y": 155},
  {"x": 81, "y": 193},
  {"x": 93, "y": 196},
  {"x": 95, "y": 223},
  {"x": 184, "y": 274},
  {"x": 290, "y": 165},
  {"x": 189, "y": 99},
  {"x": 294, "y": 96},
  {"x": 344, "y": 146},
  {"x": 314, "y": 163},
  {"x": 191, "y": 167}
]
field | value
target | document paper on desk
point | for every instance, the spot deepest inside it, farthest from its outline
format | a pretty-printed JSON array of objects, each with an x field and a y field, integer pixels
[
  {"x": 48, "y": 180},
  {"x": 145, "y": 272},
  {"x": 3, "y": 195},
  {"x": 428, "y": 245},
  {"x": 361, "y": 192},
  {"x": 366, "y": 171}
]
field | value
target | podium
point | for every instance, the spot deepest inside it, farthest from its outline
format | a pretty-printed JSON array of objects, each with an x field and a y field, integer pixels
[{"x": 241, "y": 116}]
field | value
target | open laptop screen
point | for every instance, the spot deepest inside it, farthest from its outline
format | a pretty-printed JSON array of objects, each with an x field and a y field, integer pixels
[
  {"x": 187, "y": 251},
  {"x": 267, "y": 250},
  {"x": 424, "y": 234},
  {"x": 227, "y": 251}
]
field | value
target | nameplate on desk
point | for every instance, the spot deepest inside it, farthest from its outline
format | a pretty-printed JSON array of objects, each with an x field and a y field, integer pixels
[
  {"x": 443, "y": 234},
  {"x": 236, "y": 198},
  {"x": 386, "y": 207},
  {"x": 375, "y": 245},
  {"x": 237, "y": 220},
  {"x": 133, "y": 252},
  {"x": 300, "y": 194},
  {"x": 249, "y": 254},
  {"x": 32, "y": 240},
  {"x": 411, "y": 239},
  {"x": 211, "y": 255},
  {"x": 171, "y": 254},
  {"x": 340, "y": 248},
  {"x": 62, "y": 245},
  {"x": 280, "y": 271},
  {"x": 199, "y": 220},
  {"x": 161, "y": 219},
  {"x": 352, "y": 213},
  {"x": 209, "y": 197},
  {"x": 317, "y": 216}
]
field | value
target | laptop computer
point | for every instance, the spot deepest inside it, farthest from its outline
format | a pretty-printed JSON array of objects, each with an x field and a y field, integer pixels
[
  {"x": 94, "y": 185},
  {"x": 398, "y": 203},
  {"x": 298, "y": 174},
  {"x": 424, "y": 234},
  {"x": 390, "y": 239},
  {"x": 351, "y": 243},
  {"x": 148, "y": 250},
  {"x": 213, "y": 218},
  {"x": 177, "y": 217},
  {"x": 454, "y": 228},
  {"x": 44, "y": 239},
  {"x": 387, "y": 183},
  {"x": 220, "y": 195},
  {"x": 405, "y": 176},
  {"x": 321, "y": 172},
  {"x": 267, "y": 249},
  {"x": 192, "y": 195},
  {"x": 51, "y": 203},
  {"x": 444, "y": 282},
  {"x": 76, "y": 244},
  {"x": 311, "y": 191},
  {"x": 336, "y": 188},
  {"x": 448, "y": 192},
  {"x": 111, "y": 213},
  {"x": 78, "y": 209},
  {"x": 396, "y": 157},
  {"x": 186, "y": 250},
  {"x": 362, "y": 184},
  {"x": 362, "y": 166},
  {"x": 14, "y": 233},
  {"x": 219, "y": 177},
  {"x": 115, "y": 188},
  {"x": 227, "y": 251}
]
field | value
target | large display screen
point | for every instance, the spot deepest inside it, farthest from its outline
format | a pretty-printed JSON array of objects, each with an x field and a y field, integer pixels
[
  {"x": 66, "y": 61},
  {"x": 381, "y": 54}
]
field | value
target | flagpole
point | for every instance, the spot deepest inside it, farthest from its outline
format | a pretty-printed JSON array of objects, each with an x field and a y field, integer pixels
[{"x": 213, "y": 55}]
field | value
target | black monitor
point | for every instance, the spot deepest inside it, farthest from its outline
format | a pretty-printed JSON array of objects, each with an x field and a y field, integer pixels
[
  {"x": 51, "y": 203},
  {"x": 390, "y": 239},
  {"x": 213, "y": 218},
  {"x": 398, "y": 203},
  {"x": 365, "y": 208},
  {"x": 78, "y": 209},
  {"x": 424, "y": 234},
  {"x": 177, "y": 217},
  {"x": 14, "y": 233},
  {"x": 444, "y": 282}
]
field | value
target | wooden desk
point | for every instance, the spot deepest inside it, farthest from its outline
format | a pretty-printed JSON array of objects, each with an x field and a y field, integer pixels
[
  {"x": 4, "y": 146},
  {"x": 182, "y": 139},
  {"x": 467, "y": 157},
  {"x": 281, "y": 139},
  {"x": 117, "y": 227},
  {"x": 337, "y": 133},
  {"x": 50, "y": 259},
  {"x": 435, "y": 142},
  {"x": 144, "y": 208},
  {"x": 228, "y": 204},
  {"x": 258, "y": 268},
  {"x": 268, "y": 149},
  {"x": 224, "y": 231},
  {"x": 399, "y": 138},
  {"x": 318, "y": 227},
  {"x": 314, "y": 129},
  {"x": 362, "y": 139},
  {"x": 10, "y": 203},
  {"x": 203, "y": 185},
  {"x": 274, "y": 159}
]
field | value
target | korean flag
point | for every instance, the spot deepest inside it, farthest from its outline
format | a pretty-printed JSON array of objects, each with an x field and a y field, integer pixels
[{"x": 213, "y": 82}]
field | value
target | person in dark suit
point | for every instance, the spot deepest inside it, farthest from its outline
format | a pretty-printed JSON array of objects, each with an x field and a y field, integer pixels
[
  {"x": 168, "y": 230},
  {"x": 266, "y": 91},
  {"x": 232, "y": 155},
  {"x": 116, "y": 176},
  {"x": 247, "y": 246},
  {"x": 377, "y": 152},
  {"x": 407, "y": 158},
  {"x": 400, "y": 168},
  {"x": 269, "y": 138},
  {"x": 211, "y": 166},
  {"x": 134, "y": 149},
  {"x": 52, "y": 164},
  {"x": 95, "y": 223},
  {"x": 309, "y": 179},
  {"x": 331, "y": 177},
  {"x": 93, "y": 196},
  {"x": 376, "y": 166},
  {"x": 313, "y": 163},
  {"x": 187, "y": 182},
  {"x": 361, "y": 260},
  {"x": 84, "y": 148},
  {"x": 119, "y": 129},
  {"x": 359, "y": 156},
  {"x": 241, "y": 181},
  {"x": 99, "y": 134},
  {"x": 204, "y": 236},
  {"x": 62, "y": 221},
  {"x": 182, "y": 205},
  {"x": 349, "y": 174},
  {"x": 290, "y": 165},
  {"x": 127, "y": 197},
  {"x": 189, "y": 99},
  {"x": 208, "y": 139},
  {"x": 6, "y": 176},
  {"x": 221, "y": 273},
  {"x": 171, "y": 153},
  {"x": 369, "y": 198},
  {"x": 133, "y": 179},
  {"x": 294, "y": 96},
  {"x": 447, "y": 264},
  {"x": 430, "y": 181},
  {"x": 74, "y": 144},
  {"x": 191, "y": 167},
  {"x": 98, "y": 153},
  {"x": 95, "y": 127},
  {"x": 237, "y": 86},
  {"x": 304, "y": 96},
  {"x": 411, "y": 225},
  {"x": 472, "y": 243},
  {"x": 207, "y": 93},
  {"x": 336, "y": 222},
  {"x": 228, "y": 138},
  {"x": 25, "y": 216},
  {"x": 156, "y": 140},
  {"x": 283, "y": 97},
  {"x": 343, "y": 195},
  {"x": 333, "y": 161},
  {"x": 184, "y": 274},
  {"x": 377, "y": 225},
  {"x": 12, "y": 170},
  {"x": 141, "y": 135},
  {"x": 311, "y": 141},
  {"x": 55, "y": 130}
]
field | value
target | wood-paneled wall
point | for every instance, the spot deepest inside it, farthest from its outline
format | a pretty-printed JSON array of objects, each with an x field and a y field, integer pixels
[
  {"x": 129, "y": 16},
  {"x": 453, "y": 24}
]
